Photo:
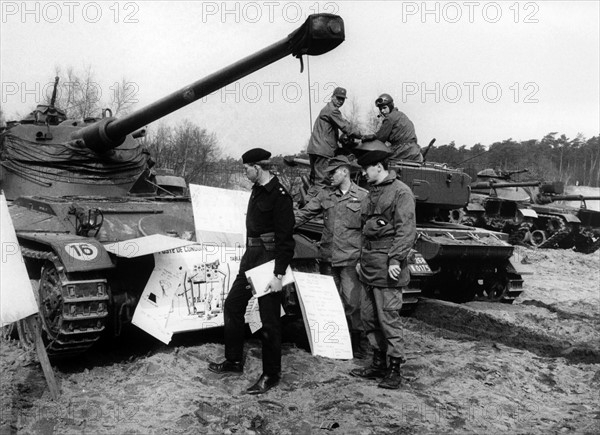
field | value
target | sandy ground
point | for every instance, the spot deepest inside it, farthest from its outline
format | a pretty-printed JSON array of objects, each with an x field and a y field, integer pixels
[{"x": 533, "y": 367}]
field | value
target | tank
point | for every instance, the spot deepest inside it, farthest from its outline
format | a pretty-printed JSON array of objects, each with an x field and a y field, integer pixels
[
  {"x": 528, "y": 213},
  {"x": 565, "y": 226},
  {"x": 500, "y": 204},
  {"x": 449, "y": 261},
  {"x": 74, "y": 186}
]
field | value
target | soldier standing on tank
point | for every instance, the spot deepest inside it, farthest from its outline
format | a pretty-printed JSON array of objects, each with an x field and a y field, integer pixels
[
  {"x": 324, "y": 139},
  {"x": 396, "y": 129},
  {"x": 389, "y": 233},
  {"x": 269, "y": 227},
  {"x": 339, "y": 249}
]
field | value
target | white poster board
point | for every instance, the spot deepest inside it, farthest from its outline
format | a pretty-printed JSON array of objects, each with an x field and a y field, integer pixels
[
  {"x": 219, "y": 215},
  {"x": 324, "y": 317},
  {"x": 190, "y": 281},
  {"x": 187, "y": 290},
  {"x": 16, "y": 295}
]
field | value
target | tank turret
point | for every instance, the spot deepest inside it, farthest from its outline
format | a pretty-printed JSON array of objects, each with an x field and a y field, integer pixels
[{"x": 46, "y": 153}]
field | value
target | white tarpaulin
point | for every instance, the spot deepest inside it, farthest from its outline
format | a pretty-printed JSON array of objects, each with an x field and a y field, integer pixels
[{"x": 16, "y": 295}]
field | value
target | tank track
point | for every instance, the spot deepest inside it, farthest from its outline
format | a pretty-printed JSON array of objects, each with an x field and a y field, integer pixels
[
  {"x": 556, "y": 239},
  {"x": 73, "y": 312},
  {"x": 588, "y": 248},
  {"x": 514, "y": 288}
]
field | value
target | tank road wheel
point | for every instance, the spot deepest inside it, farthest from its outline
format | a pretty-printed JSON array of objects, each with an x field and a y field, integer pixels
[
  {"x": 555, "y": 225},
  {"x": 457, "y": 216},
  {"x": 538, "y": 237},
  {"x": 493, "y": 290},
  {"x": 520, "y": 236}
]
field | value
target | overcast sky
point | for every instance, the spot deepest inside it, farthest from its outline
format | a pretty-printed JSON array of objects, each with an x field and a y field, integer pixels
[{"x": 469, "y": 72}]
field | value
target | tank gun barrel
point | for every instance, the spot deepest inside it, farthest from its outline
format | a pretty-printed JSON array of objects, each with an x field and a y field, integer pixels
[
  {"x": 319, "y": 34},
  {"x": 483, "y": 185},
  {"x": 553, "y": 198}
]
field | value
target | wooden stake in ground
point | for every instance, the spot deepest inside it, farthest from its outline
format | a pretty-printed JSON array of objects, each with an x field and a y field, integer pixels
[{"x": 34, "y": 329}]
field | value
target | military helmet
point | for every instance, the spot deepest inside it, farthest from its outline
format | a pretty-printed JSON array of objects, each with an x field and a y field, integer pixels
[{"x": 384, "y": 100}]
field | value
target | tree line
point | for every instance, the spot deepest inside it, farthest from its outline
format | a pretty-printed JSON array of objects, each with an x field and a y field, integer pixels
[
  {"x": 193, "y": 153},
  {"x": 552, "y": 158}
]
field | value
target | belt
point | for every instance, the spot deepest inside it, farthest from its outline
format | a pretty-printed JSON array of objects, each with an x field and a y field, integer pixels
[
  {"x": 266, "y": 240},
  {"x": 379, "y": 244}
]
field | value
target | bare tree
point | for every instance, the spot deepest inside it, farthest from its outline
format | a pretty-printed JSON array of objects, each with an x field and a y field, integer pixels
[
  {"x": 123, "y": 97},
  {"x": 374, "y": 120},
  {"x": 186, "y": 148},
  {"x": 80, "y": 94},
  {"x": 352, "y": 113}
]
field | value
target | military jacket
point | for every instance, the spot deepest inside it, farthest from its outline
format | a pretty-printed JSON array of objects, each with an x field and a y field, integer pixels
[
  {"x": 270, "y": 210},
  {"x": 389, "y": 232},
  {"x": 396, "y": 129},
  {"x": 341, "y": 239},
  {"x": 324, "y": 138}
]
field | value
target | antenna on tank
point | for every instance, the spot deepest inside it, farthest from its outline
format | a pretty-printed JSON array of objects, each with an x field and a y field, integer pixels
[{"x": 309, "y": 102}]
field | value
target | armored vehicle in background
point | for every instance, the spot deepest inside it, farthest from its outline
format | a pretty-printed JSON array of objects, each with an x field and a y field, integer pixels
[
  {"x": 75, "y": 186},
  {"x": 450, "y": 261},
  {"x": 563, "y": 226},
  {"x": 523, "y": 210},
  {"x": 500, "y": 204}
]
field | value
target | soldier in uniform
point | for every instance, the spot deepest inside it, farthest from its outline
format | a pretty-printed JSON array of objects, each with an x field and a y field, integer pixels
[
  {"x": 269, "y": 227},
  {"x": 389, "y": 233},
  {"x": 396, "y": 129},
  {"x": 339, "y": 249},
  {"x": 324, "y": 139}
]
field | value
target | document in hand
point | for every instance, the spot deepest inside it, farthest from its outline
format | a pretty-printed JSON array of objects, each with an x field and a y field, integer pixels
[{"x": 261, "y": 276}]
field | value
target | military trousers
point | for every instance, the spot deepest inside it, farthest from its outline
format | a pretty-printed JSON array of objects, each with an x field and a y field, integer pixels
[
  {"x": 380, "y": 313},
  {"x": 350, "y": 289},
  {"x": 407, "y": 151},
  {"x": 234, "y": 311},
  {"x": 318, "y": 174}
]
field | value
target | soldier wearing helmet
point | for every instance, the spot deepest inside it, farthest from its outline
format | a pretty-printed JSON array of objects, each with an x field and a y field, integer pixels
[
  {"x": 324, "y": 139},
  {"x": 397, "y": 130}
]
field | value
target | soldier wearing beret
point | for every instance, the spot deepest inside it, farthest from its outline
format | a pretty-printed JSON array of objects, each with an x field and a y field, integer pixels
[
  {"x": 339, "y": 249},
  {"x": 389, "y": 233},
  {"x": 324, "y": 139},
  {"x": 269, "y": 227}
]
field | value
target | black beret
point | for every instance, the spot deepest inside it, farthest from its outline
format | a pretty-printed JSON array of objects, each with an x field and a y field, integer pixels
[
  {"x": 255, "y": 155},
  {"x": 372, "y": 158}
]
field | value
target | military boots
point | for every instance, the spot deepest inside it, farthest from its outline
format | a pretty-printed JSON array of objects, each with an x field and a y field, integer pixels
[
  {"x": 377, "y": 369},
  {"x": 392, "y": 378}
]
